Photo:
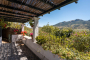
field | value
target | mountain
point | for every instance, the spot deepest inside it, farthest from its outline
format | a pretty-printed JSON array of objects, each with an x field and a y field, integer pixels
[{"x": 75, "y": 24}]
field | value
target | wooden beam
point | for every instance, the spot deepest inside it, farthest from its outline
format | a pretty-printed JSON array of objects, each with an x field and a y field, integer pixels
[
  {"x": 15, "y": 20},
  {"x": 12, "y": 15},
  {"x": 30, "y": 6},
  {"x": 15, "y": 13},
  {"x": 9, "y": 17},
  {"x": 48, "y": 2},
  {"x": 4, "y": 16},
  {"x": 14, "y": 8}
]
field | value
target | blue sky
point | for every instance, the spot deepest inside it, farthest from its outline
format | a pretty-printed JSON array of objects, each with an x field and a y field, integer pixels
[{"x": 72, "y": 11}]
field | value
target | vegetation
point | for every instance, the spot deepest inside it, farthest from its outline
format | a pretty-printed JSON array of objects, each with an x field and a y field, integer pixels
[
  {"x": 66, "y": 43},
  {"x": 15, "y": 25},
  {"x": 29, "y": 30},
  {"x": 18, "y": 26},
  {"x": 31, "y": 23},
  {"x": 3, "y": 23}
]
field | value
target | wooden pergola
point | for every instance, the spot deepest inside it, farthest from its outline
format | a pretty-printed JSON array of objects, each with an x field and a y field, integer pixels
[{"x": 22, "y": 10}]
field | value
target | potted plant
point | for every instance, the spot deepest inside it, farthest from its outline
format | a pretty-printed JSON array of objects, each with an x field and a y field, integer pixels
[
  {"x": 15, "y": 31},
  {"x": 31, "y": 22},
  {"x": 31, "y": 34},
  {"x": 2, "y": 23}
]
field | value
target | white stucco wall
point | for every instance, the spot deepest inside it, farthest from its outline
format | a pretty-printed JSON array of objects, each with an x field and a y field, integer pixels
[
  {"x": 16, "y": 37},
  {"x": 39, "y": 51},
  {"x": 36, "y": 48}
]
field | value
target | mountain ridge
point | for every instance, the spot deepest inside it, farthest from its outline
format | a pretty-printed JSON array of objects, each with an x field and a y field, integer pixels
[{"x": 75, "y": 24}]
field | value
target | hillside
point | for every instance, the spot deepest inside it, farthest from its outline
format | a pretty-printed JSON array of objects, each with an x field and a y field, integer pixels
[{"x": 75, "y": 24}]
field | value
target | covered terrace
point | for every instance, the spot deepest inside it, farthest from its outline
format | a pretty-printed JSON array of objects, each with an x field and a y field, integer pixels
[{"x": 22, "y": 11}]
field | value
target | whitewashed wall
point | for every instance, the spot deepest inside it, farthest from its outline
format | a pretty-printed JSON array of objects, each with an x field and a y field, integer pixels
[
  {"x": 39, "y": 51},
  {"x": 36, "y": 48},
  {"x": 16, "y": 37}
]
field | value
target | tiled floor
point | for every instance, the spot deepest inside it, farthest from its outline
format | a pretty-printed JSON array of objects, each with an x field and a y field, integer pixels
[{"x": 16, "y": 51}]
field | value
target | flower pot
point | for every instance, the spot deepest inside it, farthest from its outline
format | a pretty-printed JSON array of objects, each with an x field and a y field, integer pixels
[
  {"x": 32, "y": 37},
  {"x": 23, "y": 34},
  {"x": 32, "y": 26},
  {"x": 15, "y": 32}
]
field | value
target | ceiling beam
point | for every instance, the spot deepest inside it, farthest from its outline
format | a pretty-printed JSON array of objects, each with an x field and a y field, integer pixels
[
  {"x": 15, "y": 13},
  {"x": 48, "y": 2},
  {"x": 4, "y": 16},
  {"x": 12, "y": 15},
  {"x": 16, "y": 20},
  {"x": 9, "y": 17},
  {"x": 30, "y": 6},
  {"x": 14, "y": 8},
  {"x": 13, "y": 20}
]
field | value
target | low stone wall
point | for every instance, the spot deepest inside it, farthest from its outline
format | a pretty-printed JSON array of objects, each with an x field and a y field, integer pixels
[
  {"x": 36, "y": 48},
  {"x": 39, "y": 51}
]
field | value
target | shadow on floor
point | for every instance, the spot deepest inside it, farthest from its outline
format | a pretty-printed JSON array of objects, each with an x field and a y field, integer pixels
[
  {"x": 4, "y": 40},
  {"x": 16, "y": 51}
]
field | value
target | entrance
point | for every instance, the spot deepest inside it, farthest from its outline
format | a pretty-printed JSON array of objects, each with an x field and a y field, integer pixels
[{"x": 6, "y": 35}]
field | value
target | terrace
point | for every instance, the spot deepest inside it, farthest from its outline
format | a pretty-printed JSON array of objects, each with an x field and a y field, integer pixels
[{"x": 22, "y": 11}]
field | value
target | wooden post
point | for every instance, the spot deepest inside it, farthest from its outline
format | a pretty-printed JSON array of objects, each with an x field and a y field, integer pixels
[{"x": 35, "y": 29}]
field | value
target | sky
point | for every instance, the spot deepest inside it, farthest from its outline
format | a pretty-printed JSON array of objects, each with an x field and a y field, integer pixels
[{"x": 72, "y": 11}]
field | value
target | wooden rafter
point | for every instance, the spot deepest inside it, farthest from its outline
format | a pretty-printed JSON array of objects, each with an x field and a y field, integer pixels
[
  {"x": 15, "y": 13},
  {"x": 30, "y": 6},
  {"x": 10, "y": 17},
  {"x": 48, "y": 2},
  {"x": 16, "y": 20},
  {"x": 14, "y": 8}
]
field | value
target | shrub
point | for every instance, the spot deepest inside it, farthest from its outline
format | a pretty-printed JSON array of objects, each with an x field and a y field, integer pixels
[
  {"x": 50, "y": 42},
  {"x": 41, "y": 39},
  {"x": 49, "y": 29},
  {"x": 72, "y": 47},
  {"x": 64, "y": 32},
  {"x": 81, "y": 41}
]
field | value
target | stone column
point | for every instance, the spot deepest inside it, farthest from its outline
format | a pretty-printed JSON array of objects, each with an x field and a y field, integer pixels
[
  {"x": 22, "y": 27},
  {"x": 35, "y": 28},
  {"x": 0, "y": 35}
]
